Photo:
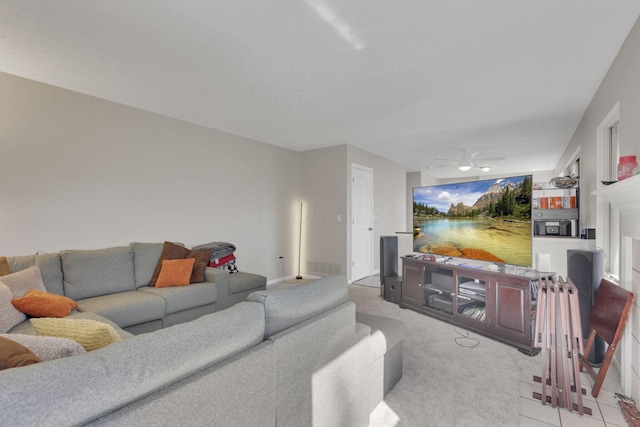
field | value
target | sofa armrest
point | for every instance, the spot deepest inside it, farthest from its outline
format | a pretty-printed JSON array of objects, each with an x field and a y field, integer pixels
[
  {"x": 285, "y": 308},
  {"x": 221, "y": 279}
]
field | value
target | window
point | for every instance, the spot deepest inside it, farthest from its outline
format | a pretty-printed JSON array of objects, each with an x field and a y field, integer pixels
[
  {"x": 614, "y": 150},
  {"x": 607, "y": 155},
  {"x": 573, "y": 170},
  {"x": 614, "y": 239}
]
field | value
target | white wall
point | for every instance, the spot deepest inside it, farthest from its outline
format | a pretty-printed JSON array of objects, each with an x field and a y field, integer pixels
[
  {"x": 389, "y": 195},
  {"x": 413, "y": 181},
  {"x": 620, "y": 86},
  {"x": 323, "y": 189},
  {"x": 78, "y": 172}
]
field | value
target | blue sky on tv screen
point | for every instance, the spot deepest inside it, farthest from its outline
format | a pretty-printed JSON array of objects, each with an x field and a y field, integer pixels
[{"x": 442, "y": 196}]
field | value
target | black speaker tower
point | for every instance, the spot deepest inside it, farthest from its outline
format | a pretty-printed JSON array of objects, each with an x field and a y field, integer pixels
[
  {"x": 585, "y": 268},
  {"x": 390, "y": 282}
]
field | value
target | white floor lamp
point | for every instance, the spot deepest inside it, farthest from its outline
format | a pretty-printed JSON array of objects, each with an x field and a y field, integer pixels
[{"x": 299, "y": 276}]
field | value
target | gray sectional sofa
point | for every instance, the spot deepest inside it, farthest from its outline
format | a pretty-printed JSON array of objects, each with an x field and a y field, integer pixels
[
  {"x": 286, "y": 357},
  {"x": 112, "y": 283}
]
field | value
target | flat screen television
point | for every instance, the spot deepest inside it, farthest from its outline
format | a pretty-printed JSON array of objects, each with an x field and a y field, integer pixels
[{"x": 486, "y": 220}]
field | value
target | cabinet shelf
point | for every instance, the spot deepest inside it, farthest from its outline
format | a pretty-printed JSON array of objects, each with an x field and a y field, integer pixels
[
  {"x": 495, "y": 304},
  {"x": 556, "y": 212}
]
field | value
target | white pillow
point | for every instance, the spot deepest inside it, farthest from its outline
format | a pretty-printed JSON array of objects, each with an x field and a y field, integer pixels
[
  {"x": 23, "y": 281},
  {"x": 9, "y": 315},
  {"x": 47, "y": 348}
]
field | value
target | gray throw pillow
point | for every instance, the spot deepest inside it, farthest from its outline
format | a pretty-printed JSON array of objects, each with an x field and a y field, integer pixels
[
  {"x": 23, "y": 281},
  {"x": 9, "y": 315}
]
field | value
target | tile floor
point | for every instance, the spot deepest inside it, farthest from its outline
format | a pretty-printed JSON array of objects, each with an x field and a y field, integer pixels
[{"x": 605, "y": 409}]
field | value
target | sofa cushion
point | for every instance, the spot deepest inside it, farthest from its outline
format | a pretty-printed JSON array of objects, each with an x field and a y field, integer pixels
[
  {"x": 13, "y": 355},
  {"x": 242, "y": 282},
  {"x": 9, "y": 315},
  {"x": 90, "y": 334},
  {"x": 385, "y": 334},
  {"x": 287, "y": 307},
  {"x": 47, "y": 348},
  {"x": 50, "y": 269},
  {"x": 91, "y": 273},
  {"x": 185, "y": 297},
  {"x": 175, "y": 272},
  {"x": 125, "y": 308},
  {"x": 308, "y": 373},
  {"x": 44, "y": 304},
  {"x": 145, "y": 259},
  {"x": 23, "y": 281}
]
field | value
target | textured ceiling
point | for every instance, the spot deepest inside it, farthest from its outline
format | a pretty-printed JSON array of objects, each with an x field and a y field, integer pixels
[{"x": 411, "y": 80}]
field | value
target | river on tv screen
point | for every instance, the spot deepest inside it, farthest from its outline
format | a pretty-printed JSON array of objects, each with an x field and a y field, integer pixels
[{"x": 486, "y": 220}]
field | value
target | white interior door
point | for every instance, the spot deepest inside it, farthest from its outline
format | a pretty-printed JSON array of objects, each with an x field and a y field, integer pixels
[{"x": 361, "y": 222}]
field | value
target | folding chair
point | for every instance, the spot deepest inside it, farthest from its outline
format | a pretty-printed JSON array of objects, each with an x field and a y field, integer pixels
[{"x": 608, "y": 318}]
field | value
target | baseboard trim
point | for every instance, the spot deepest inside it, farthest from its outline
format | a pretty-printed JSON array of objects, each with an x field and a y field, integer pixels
[{"x": 290, "y": 277}]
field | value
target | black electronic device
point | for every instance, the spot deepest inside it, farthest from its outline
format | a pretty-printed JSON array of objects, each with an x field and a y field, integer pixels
[
  {"x": 552, "y": 228},
  {"x": 441, "y": 282},
  {"x": 585, "y": 268},
  {"x": 390, "y": 282},
  {"x": 588, "y": 233},
  {"x": 392, "y": 288},
  {"x": 442, "y": 302}
]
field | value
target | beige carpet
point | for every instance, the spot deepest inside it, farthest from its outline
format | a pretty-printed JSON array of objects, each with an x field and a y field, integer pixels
[
  {"x": 371, "y": 281},
  {"x": 451, "y": 377},
  {"x": 448, "y": 380}
]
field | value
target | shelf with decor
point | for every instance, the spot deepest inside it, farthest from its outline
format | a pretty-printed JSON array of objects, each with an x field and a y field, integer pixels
[{"x": 555, "y": 211}]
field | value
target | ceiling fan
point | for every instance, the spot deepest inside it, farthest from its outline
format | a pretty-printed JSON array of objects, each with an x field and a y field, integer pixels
[{"x": 470, "y": 159}]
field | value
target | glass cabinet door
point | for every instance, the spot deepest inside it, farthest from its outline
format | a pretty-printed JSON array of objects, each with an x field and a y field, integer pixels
[
  {"x": 438, "y": 289},
  {"x": 471, "y": 297}
]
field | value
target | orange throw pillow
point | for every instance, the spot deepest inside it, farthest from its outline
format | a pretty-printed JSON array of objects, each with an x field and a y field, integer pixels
[
  {"x": 175, "y": 272},
  {"x": 44, "y": 304},
  {"x": 173, "y": 251}
]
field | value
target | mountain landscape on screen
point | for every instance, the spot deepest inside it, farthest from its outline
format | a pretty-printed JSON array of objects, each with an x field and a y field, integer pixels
[{"x": 487, "y": 220}]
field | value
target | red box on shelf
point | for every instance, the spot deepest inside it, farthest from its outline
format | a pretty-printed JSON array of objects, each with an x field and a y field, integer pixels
[
  {"x": 555, "y": 202},
  {"x": 544, "y": 203}
]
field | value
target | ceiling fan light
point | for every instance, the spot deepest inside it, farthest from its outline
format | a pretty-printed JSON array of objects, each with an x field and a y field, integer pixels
[
  {"x": 485, "y": 168},
  {"x": 464, "y": 168}
]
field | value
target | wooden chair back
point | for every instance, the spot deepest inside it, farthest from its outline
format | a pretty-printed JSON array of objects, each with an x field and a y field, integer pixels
[{"x": 608, "y": 318}]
